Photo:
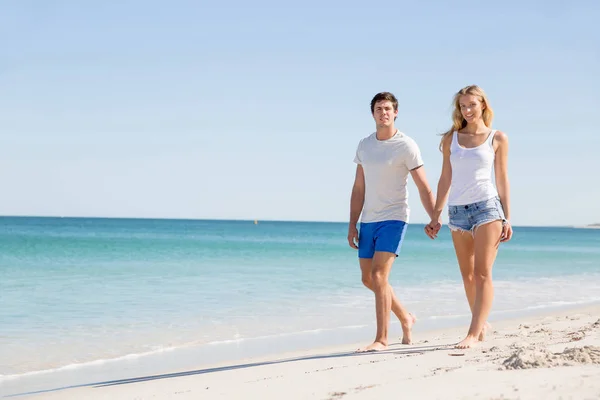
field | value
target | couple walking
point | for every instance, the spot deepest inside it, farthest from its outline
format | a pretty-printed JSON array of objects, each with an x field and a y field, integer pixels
[{"x": 479, "y": 211}]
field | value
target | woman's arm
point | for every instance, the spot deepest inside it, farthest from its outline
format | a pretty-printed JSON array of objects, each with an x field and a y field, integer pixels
[
  {"x": 443, "y": 186},
  {"x": 502, "y": 183}
]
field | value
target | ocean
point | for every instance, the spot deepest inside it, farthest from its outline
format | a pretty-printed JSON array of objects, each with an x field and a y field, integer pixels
[{"x": 78, "y": 293}]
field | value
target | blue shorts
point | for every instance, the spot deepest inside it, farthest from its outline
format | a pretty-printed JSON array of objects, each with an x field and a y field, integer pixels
[
  {"x": 380, "y": 236},
  {"x": 469, "y": 216}
]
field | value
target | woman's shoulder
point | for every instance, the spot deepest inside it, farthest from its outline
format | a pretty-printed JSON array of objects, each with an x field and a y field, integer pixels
[
  {"x": 500, "y": 137},
  {"x": 447, "y": 140}
]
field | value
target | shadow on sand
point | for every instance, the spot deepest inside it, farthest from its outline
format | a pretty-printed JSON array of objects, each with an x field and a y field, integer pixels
[{"x": 390, "y": 350}]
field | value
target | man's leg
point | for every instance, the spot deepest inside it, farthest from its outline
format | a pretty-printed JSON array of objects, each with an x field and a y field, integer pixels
[
  {"x": 381, "y": 267},
  {"x": 406, "y": 319},
  {"x": 379, "y": 244},
  {"x": 390, "y": 235}
]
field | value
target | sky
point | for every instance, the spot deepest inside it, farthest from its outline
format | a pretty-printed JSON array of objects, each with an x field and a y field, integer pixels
[{"x": 253, "y": 110}]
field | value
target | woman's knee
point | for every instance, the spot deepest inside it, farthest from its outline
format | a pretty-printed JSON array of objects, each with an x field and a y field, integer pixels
[
  {"x": 468, "y": 276},
  {"x": 482, "y": 277}
]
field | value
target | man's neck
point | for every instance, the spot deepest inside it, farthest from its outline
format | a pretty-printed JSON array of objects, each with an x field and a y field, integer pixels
[{"x": 386, "y": 132}]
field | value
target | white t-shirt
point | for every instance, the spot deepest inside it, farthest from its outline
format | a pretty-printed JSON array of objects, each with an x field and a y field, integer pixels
[{"x": 386, "y": 164}]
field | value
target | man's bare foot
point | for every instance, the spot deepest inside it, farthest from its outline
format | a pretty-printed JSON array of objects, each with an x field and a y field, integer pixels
[
  {"x": 484, "y": 331},
  {"x": 375, "y": 346},
  {"x": 467, "y": 342},
  {"x": 407, "y": 329}
]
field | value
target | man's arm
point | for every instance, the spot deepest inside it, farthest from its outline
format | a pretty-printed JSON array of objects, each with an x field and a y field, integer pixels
[
  {"x": 357, "y": 201},
  {"x": 425, "y": 193}
]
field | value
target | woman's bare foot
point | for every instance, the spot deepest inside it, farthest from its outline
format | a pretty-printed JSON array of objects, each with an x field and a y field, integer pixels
[
  {"x": 467, "y": 342},
  {"x": 407, "y": 329},
  {"x": 375, "y": 346},
  {"x": 484, "y": 331}
]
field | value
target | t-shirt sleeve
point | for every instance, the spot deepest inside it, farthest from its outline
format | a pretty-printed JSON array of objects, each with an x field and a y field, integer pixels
[
  {"x": 413, "y": 156},
  {"x": 357, "y": 159}
]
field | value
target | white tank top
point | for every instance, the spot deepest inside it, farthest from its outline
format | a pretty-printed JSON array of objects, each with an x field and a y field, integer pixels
[{"x": 471, "y": 172}]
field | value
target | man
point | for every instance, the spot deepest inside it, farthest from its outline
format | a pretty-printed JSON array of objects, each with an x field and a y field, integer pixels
[{"x": 384, "y": 159}]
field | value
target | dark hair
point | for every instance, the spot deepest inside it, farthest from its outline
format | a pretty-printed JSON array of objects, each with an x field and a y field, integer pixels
[{"x": 384, "y": 96}]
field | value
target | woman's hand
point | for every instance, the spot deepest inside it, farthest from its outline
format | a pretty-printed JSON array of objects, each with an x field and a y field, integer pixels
[
  {"x": 507, "y": 231},
  {"x": 432, "y": 228}
]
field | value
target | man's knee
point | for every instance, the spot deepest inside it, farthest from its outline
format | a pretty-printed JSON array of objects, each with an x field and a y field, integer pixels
[
  {"x": 378, "y": 278},
  {"x": 366, "y": 280}
]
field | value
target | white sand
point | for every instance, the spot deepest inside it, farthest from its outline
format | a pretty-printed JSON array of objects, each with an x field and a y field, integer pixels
[{"x": 550, "y": 357}]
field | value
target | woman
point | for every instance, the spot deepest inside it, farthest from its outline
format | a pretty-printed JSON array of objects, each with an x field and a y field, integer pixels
[{"x": 479, "y": 212}]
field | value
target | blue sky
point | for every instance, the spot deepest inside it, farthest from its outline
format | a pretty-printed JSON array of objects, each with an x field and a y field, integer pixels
[{"x": 187, "y": 109}]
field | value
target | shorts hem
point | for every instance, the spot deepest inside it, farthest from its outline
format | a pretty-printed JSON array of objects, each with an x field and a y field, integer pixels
[
  {"x": 456, "y": 228},
  {"x": 487, "y": 221},
  {"x": 395, "y": 252},
  {"x": 364, "y": 257}
]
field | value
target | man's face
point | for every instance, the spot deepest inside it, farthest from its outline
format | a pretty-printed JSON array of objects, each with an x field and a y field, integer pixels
[{"x": 384, "y": 113}]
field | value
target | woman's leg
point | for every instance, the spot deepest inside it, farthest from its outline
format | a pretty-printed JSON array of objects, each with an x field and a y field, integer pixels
[
  {"x": 486, "y": 241},
  {"x": 463, "y": 246}
]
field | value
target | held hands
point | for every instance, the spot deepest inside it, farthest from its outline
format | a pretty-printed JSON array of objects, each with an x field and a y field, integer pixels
[
  {"x": 432, "y": 228},
  {"x": 353, "y": 236}
]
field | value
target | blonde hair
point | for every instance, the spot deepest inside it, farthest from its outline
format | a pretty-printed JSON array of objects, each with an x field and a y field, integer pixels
[{"x": 458, "y": 122}]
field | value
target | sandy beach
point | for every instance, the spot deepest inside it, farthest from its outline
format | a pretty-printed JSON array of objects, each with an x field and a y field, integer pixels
[{"x": 550, "y": 356}]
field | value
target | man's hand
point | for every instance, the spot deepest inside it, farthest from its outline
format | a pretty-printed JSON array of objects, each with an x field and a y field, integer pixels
[
  {"x": 353, "y": 236},
  {"x": 432, "y": 228}
]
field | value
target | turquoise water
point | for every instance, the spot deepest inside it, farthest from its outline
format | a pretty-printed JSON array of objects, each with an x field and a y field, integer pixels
[{"x": 78, "y": 290}]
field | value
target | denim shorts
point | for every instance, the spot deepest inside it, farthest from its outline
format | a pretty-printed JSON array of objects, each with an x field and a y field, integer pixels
[
  {"x": 469, "y": 216},
  {"x": 380, "y": 236}
]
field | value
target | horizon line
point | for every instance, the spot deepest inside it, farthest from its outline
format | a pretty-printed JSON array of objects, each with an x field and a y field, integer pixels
[{"x": 250, "y": 220}]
